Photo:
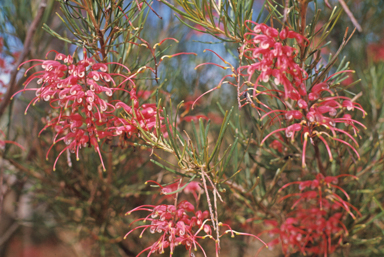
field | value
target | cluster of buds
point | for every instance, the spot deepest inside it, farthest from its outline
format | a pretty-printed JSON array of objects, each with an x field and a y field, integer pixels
[
  {"x": 82, "y": 92},
  {"x": 315, "y": 226},
  {"x": 314, "y": 111}
]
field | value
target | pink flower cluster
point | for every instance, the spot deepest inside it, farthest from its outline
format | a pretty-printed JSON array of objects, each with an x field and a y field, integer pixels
[
  {"x": 314, "y": 110},
  {"x": 272, "y": 59},
  {"x": 178, "y": 225},
  {"x": 82, "y": 93},
  {"x": 315, "y": 226}
]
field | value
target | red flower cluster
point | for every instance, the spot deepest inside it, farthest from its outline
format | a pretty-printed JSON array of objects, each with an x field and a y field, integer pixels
[
  {"x": 272, "y": 59},
  {"x": 316, "y": 225},
  {"x": 316, "y": 116},
  {"x": 82, "y": 92},
  {"x": 315, "y": 111},
  {"x": 178, "y": 225}
]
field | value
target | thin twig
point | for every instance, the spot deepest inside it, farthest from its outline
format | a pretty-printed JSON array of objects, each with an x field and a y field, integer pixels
[
  {"x": 28, "y": 171},
  {"x": 328, "y": 67},
  {"x": 12, "y": 85},
  {"x": 303, "y": 19},
  {"x": 12, "y": 229},
  {"x": 207, "y": 194},
  {"x": 214, "y": 224},
  {"x": 214, "y": 216},
  {"x": 286, "y": 8},
  {"x": 177, "y": 193},
  {"x": 318, "y": 158},
  {"x": 1, "y": 185},
  {"x": 215, "y": 193},
  {"x": 350, "y": 15}
]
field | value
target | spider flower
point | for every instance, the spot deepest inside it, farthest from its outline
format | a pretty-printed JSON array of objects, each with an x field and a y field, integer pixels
[
  {"x": 179, "y": 224},
  {"x": 318, "y": 117},
  {"x": 313, "y": 112},
  {"x": 272, "y": 59},
  {"x": 82, "y": 94},
  {"x": 315, "y": 224}
]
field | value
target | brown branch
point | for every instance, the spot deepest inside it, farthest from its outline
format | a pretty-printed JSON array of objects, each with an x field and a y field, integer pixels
[
  {"x": 318, "y": 159},
  {"x": 350, "y": 15},
  {"x": 102, "y": 44},
  {"x": 303, "y": 19},
  {"x": 108, "y": 181},
  {"x": 10, "y": 231},
  {"x": 348, "y": 12},
  {"x": 29, "y": 171},
  {"x": 12, "y": 85},
  {"x": 213, "y": 218},
  {"x": 88, "y": 8},
  {"x": 303, "y": 16},
  {"x": 1, "y": 185}
]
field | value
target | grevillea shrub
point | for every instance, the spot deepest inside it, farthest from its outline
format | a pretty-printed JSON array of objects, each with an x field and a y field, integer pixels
[
  {"x": 270, "y": 143},
  {"x": 308, "y": 109}
]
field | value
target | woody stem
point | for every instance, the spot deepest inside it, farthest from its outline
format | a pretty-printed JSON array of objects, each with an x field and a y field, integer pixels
[{"x": 318, "y": 159}]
